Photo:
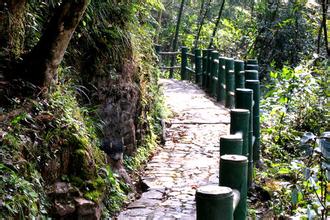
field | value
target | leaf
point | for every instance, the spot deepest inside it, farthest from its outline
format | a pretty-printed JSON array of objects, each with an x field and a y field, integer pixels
[
  {"x": 308, "y": 136},
  {"x": 283, "y": 100},
  {"x": 273, "y": 75},
  {"x": 307, "y": 173},
  {"x": 312, "y": 182},
  {"x": 294, "y": 196},
  {"x": 284, "y": 170},
  {"x": 310, "y": 213}
]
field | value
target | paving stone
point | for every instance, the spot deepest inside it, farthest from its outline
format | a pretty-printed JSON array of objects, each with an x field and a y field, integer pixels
[
  {"x": 152, "y": 194},
  {"x": 139, "y": 212},
  {"x": 144, "y": 203}
]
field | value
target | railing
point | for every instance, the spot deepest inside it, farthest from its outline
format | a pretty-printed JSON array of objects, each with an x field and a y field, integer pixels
[{"x": 235, "y": 84}]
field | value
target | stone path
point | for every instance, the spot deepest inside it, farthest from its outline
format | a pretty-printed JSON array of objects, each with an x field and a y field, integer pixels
[{"x": 190, "y": 157}]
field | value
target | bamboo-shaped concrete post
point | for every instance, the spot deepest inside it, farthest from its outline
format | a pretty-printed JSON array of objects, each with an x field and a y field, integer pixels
[
  {"x": 251, "y": 67},
  {"x": 251, "y": 64},
  {"x": 158, "y": 48},
  {"x": 233, "y": 174},
  {"x": 204, "y": 68},
  {"x": 230, "y": 83},
  {"x": 255, "y": 86},
  {"x": 208, "y": 71},
  {"x": 244, "y": 100},
  {"x": 214, "y": 202},
  {"x": 239, "y": 74},
  {"x": 239, "y": 123},
  {"x": 184, "y": 60},
  {"x": 231, "y": 144},
  {"x": 252, "y": 61},
  {"x": 251, "y": 75},
  {"x": 221, "y": 97},
  {"x": 214, "y": 72},
  {"x": 198, "y": 66}
]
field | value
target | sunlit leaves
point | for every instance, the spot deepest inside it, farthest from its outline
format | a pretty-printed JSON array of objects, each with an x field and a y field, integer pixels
[{"x": 293, "y": 114}]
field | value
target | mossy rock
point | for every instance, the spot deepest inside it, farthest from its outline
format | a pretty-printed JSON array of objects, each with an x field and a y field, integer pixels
[{"x": 83, "y": 164}]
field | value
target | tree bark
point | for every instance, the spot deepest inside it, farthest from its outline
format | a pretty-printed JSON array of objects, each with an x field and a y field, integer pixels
[
  {"x": 175, "y": 40},
  {"x": 216, "y": 24},
  {"x": 41, "y": 64},
  {"x": 11, "y": 21}
]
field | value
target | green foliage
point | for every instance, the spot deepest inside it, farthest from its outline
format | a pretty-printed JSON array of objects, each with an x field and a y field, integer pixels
[
  {"x": 152, "y": 101},
  {"x": 47, "y": 129},
  {"x": 294, "y": 104},
  {"x": 116, "y": 191},
  {"x": 21, "y": 196},
  {"x": 237, "y": 33},
  {"x": 286, "y": 32}
]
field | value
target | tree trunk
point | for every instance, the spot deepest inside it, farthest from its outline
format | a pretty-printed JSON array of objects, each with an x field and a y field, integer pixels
[
  {"x": 40, "y": 65},
  {"x": 11, "y": 32},
  {"x": 199, "y": 21},
  {"x": 201, "y": 24},
  {"x": 216, "y": 24},
  {"x": 201, "y": 10},
  {"x": 175, "y": 40},
  {"x": 324, "y": 23},
  {"x": 160, "y": 15}
]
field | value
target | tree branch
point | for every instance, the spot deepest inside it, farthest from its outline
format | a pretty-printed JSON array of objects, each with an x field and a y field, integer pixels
[
  {"x": 40, "y": 65},
  {"x": 217, "y": 24}
]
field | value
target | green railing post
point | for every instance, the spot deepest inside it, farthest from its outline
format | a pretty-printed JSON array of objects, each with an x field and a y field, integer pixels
[
  {"x": 214, "y": 72},
  {"x": 255, "y": 86},
  {"x": 214, "y": 202},
  {"x": 184, "y": 75},
  {"x": 231, "y": 144},
  {"x": 252, "y": 61},
  {"x": 251, "y": 67},
  {"x": 239, "y": 123},
  {"x": 158, "y": 48},
  {"x": 221, "y": 97},
  {"x": 233, "y": 174},
  {"x": 198, "y": 66},
  {"x": 208, "y": 70},
  {"x": 244, "y": 100},
  {"x": 230, "y": 83},
  {"x": 239, "y": 74},
  {"x": 251, "y": 75},
  {"x": 205, "y": 64}
]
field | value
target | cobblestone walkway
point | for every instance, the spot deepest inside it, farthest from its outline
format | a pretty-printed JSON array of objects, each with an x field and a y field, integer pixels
[{"x": 190, "y": 157}]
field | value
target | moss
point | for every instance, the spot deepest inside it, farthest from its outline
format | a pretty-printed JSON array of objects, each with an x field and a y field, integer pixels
[
  {"x": 83, "y": 164},
  {"x": 94, "y": 195},
  {"x": 11, "y": 140},
  {"x": 77, "y": 181}
]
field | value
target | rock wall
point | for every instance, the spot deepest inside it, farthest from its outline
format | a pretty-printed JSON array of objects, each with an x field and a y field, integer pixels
[{"x": 119, "y": 114}]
